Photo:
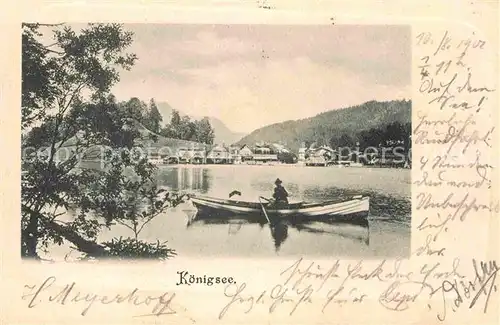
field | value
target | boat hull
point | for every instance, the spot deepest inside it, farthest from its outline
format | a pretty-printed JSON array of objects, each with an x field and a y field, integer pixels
[{"x": 353, "y": 210}]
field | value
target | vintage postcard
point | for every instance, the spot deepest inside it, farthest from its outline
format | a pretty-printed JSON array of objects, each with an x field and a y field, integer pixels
[{"x": 250, "y": 164}]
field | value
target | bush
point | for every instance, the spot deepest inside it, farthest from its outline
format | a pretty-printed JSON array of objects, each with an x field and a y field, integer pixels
[
  {"x": 131, "y": 248},
  {"x": 287, "y": 157}
]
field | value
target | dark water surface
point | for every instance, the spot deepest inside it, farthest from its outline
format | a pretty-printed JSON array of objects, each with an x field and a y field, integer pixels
[{"x": 388, "y": 234}]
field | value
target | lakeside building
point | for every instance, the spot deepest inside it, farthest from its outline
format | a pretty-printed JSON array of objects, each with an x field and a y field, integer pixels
[
  {"x": 219, "y": 154},
  {"x": 320, "y": 156},
  {"x": 234, "y": 151},
  {"x": 246, "y": 153},
  {"x": 198, "y": 156},
  {"x": 389, "y": 159},
  {"x": 184, "y": 155},
  {"x": 157, "y": 158},
  {"x": 264, "y": 153}
]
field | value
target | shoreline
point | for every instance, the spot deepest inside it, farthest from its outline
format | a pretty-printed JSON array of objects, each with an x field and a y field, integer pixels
[
  {"x": 274, "y": 165},
  {"x": 191, "y": 166},
  {"x": 295, "y": 165}
]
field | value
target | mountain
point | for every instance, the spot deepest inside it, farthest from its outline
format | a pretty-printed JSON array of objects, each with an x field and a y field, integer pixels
[
  {"x": 165, "y": 111},
  {"x": 332, "y": 124},
  {"x": 222, "y": 133}
]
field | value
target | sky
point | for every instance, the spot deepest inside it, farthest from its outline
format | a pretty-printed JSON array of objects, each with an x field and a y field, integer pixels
[{"x": 250, "y": 76}]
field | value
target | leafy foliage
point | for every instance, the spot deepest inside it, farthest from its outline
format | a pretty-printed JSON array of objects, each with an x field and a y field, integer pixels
[
  {"x": 154, "y": 117},
  {"x": 66, "y": 105},
  {"x": 130, "y": 248},
  {"x": 287, "y": 157},
  {"x": 180, "y": 127},
  {"x": 222, "y": 134},
  {"x": 393, "y": 134},
  {"x": 184, "y": 128},
  {"x": 37, "y": 69}
]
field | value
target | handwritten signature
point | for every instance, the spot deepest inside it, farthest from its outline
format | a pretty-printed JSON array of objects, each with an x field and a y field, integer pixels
[
  {"x": 470, "y": 292},
  {"x": 46, "y": 292},
  {"x": 400, "y": 294}
]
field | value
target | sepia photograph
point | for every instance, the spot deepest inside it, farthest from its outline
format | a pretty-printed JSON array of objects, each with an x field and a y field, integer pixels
[
  {"x": 153, "y": 141},
  {"x": 250, "y": 162}
]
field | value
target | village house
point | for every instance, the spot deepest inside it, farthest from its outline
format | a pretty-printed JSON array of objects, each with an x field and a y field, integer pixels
[
  {"x": 246, "y": 153},
  {"x": 264, "y": 153},
  {"x": 198, "y": 156},
  {"x": 174, "y": 159},
  {"x": 155, "y": 158},
  {"x": 234, "y": 151},
  {"x": 219, "y": 154},
  {"x": 320, "y": 156},
  {"x": 389, "y": 159},
  {"x": 183, "y": 155},
  {"x": 192, "y": 155}
]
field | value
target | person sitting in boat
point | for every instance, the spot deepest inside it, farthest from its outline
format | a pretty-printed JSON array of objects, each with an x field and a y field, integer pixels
[{"x": 280, "y": 195}]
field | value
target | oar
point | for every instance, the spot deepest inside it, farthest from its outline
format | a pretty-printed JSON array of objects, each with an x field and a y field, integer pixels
[
  {"x": 264, "y": 209},
  {"x": 236, "y": 192}
]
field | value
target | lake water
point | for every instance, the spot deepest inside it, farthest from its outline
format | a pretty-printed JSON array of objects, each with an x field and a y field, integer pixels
[{"x": 388, "y": 234}]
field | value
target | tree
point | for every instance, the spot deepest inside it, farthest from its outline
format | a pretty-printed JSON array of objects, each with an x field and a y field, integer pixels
[
  {"x": 175, "y": 121},
  {"x": 346, "y": 141},
  {"x": 186, "y": 129},
  {"x": 394, "y": 133},
  {"x": 171, "y": 130},
  {"x": 135, "y": 109},
  {"x": 204, "y": 131},
  {"x": 154, "y": 117},
  {"x": 66, "y": 93},
  {"x": 287, "y": 157}
]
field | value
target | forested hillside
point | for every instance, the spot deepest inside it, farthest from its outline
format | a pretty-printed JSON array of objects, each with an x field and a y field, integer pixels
[{"x": 340, "y": 127}]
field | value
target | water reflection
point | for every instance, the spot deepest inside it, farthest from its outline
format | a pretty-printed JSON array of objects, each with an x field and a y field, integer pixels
[
  {"x": 362, "y": 233},
  {"x": 279, "y": 228},
  {"x": 279, "y": 233},
  {"x": 389, "y": 201},
  {"x": 185, "y": 179},
  {"x": 389, "y": 195}
]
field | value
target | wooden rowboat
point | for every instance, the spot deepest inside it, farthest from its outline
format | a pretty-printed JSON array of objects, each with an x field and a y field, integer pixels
[{"x": 351, "y": 209}]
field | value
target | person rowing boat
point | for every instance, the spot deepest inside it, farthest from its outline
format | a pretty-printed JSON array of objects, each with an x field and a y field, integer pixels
[{"x": 280, "y": 194}]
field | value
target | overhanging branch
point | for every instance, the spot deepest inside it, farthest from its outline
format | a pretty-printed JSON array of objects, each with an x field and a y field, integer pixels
[{"x": 86, "y": 246}]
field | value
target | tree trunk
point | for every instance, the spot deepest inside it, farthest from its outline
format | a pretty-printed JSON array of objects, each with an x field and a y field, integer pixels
[
  {"x": 86, "y": 246},
  {"x": 91, "y": 248},
  {"x": 30, "y": 236}
]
